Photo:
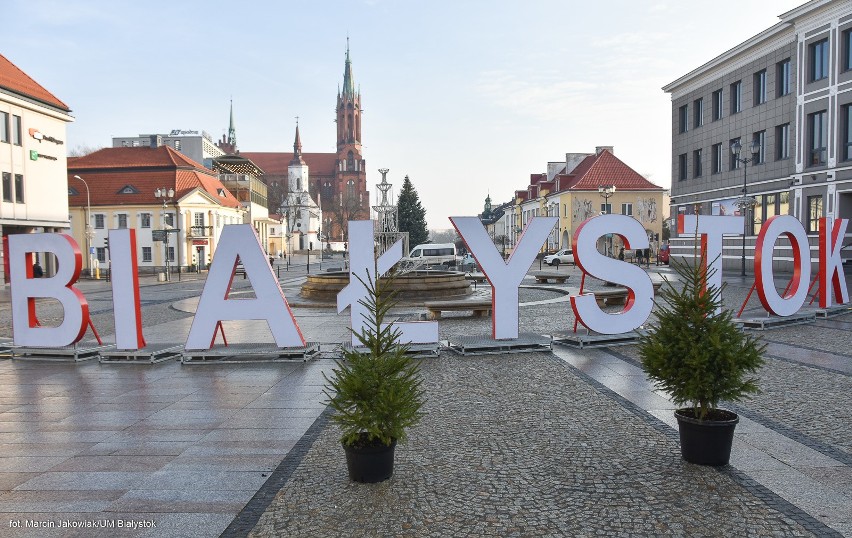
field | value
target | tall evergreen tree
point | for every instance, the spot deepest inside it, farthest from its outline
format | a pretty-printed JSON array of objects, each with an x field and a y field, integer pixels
[{"x": 412, "y": 216}]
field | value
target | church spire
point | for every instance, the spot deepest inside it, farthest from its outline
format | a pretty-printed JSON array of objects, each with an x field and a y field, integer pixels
[
  {"x": 232, "y": 131},
  {"x": 348, "y": 79},
  {"x": 297, "y": 147}
]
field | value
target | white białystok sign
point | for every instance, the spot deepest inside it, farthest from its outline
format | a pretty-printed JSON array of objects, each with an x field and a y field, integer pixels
[{"x": 240, "y": 241}]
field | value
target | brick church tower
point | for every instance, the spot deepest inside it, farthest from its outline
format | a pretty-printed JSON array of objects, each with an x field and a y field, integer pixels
[
  {"x": 350, "y": 167},
  {"x": 338, "y": 181}
]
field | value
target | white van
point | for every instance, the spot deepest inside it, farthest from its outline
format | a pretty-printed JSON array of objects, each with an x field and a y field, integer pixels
[{"x": 433, "y": 254}]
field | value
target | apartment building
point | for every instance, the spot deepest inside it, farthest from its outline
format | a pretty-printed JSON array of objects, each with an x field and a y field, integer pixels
[{"x": 784, "y": 99}]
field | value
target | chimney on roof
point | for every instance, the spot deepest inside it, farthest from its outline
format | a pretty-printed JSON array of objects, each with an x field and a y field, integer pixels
[{"x": 601, "y": 149}]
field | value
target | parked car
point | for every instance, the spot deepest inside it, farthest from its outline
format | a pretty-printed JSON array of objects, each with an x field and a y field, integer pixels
[
  {"x": 663, "y": 254},
  {"x": 566, "y": 255}
]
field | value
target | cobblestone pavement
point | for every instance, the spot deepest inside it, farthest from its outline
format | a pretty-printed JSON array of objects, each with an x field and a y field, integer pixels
[
  {"x": 538, "y": 444},
  {"x": 520, "y": 446}
]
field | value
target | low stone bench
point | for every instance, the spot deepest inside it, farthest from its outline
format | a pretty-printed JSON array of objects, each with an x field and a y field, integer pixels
[
  {"x": 479, "y": 308},
  {"x": 476, "y": 277},
  {"x": 617, "y": 296},
  {"x": 545, "y": 276},
  {"x": 613, "y": 296}
]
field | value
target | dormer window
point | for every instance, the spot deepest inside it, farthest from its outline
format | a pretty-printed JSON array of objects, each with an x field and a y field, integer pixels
[
  {"x": 221, "y": 192},
  {"x": 72, "y": 191},
  {"x": 128, "y": 189}
]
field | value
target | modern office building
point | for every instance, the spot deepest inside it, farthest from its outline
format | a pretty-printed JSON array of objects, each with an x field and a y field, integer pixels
[
  {"x": 197, "y": 145},
  {"x": 32, "y": 159},
  {"x": 784, "y": 98}
]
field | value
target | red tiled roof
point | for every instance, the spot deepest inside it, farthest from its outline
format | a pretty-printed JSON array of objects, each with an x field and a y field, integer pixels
[
  {"x": 15, "y": 80},
  {"x": 140, "y": 157},
  {"x": 109, "y": 170},
  {"x": 276, "y": 163},
  {"x": 606, "y": 169}
]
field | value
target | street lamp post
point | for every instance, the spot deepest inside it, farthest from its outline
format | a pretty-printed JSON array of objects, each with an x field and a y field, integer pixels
[
  {"x": 745, "y": 202},
  {"x": 89, "y": 232},
  {"x": 607, "y": 191},
  {"x": 166, "y": 195}
]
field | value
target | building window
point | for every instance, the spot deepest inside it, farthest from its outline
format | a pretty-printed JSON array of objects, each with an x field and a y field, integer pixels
[
  {"x": 698, "y": 112},
  {"x": 846, "y": 134},
  {"x": 818, "y": 57},
  {"x": 846, "y": 45},
  {"x": 99, "y": 221},
  {"x": 782, "y": 70},
  {"x": 784, "y": 203},
  {"x": 4, "y": 127},
  {"x": 177, "y": 145},
  {"x": 683, "y": 115},
  {"x": 627, "y": 209},
  {"x": 696, "y": 163},
  {"x": 735, "y": 164},
  {"x": 199, "y": 219},
  {"x": 681, "y": 166},
  {"x": 782, "y": 142},
  {"x": 19, "y": 188},
  {"x": 717, "y": 105},
  {"x": 16, "y": 130},
  {"x": 122, "y": 221},
  {"x": 760, "y": 87},
  {"x": 606, "y": 208},
  {"x": 101, "y": 252},
  {"x": 7, "y": 187},
  {"x": 814, "y": 213},
  {"x": 817, "y": 137},
  {"x": 736, "y": 97},
  {"x": 717, "y": 158},
  {"x": 760, "y": 138},
  {"x": 146, "y": 220},
  {"x": 146, "y": 254}
]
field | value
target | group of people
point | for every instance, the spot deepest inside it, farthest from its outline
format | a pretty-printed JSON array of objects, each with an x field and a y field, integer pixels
[{"x": 642, "y": 255}]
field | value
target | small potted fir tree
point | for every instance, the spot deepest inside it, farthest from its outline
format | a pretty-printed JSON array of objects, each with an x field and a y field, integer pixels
[
  {"x": 700, "y": 357},
  {"x": 376, "y": 394}
]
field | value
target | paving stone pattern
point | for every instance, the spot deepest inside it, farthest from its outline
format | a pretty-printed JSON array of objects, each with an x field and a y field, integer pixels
[{"x": 520, "y": 446}]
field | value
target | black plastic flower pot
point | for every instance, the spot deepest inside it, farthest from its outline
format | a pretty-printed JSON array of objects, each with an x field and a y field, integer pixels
[
  {"x": 709, "y": 441},
  {"x": 370, "y": 464}
]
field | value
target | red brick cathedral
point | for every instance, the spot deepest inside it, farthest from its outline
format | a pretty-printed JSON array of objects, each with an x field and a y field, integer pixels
[{"x": 337, "y": 181}]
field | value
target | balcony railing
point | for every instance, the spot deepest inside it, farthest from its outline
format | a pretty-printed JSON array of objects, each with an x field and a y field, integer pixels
[{"x": 201, "y": 231}]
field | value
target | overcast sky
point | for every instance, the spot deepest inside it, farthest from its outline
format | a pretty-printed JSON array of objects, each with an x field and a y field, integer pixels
[{"x": 467, "y": 98}]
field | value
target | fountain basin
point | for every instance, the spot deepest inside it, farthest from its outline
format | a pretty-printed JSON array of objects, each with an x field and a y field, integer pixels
[{"x": 414, "y": 286}]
